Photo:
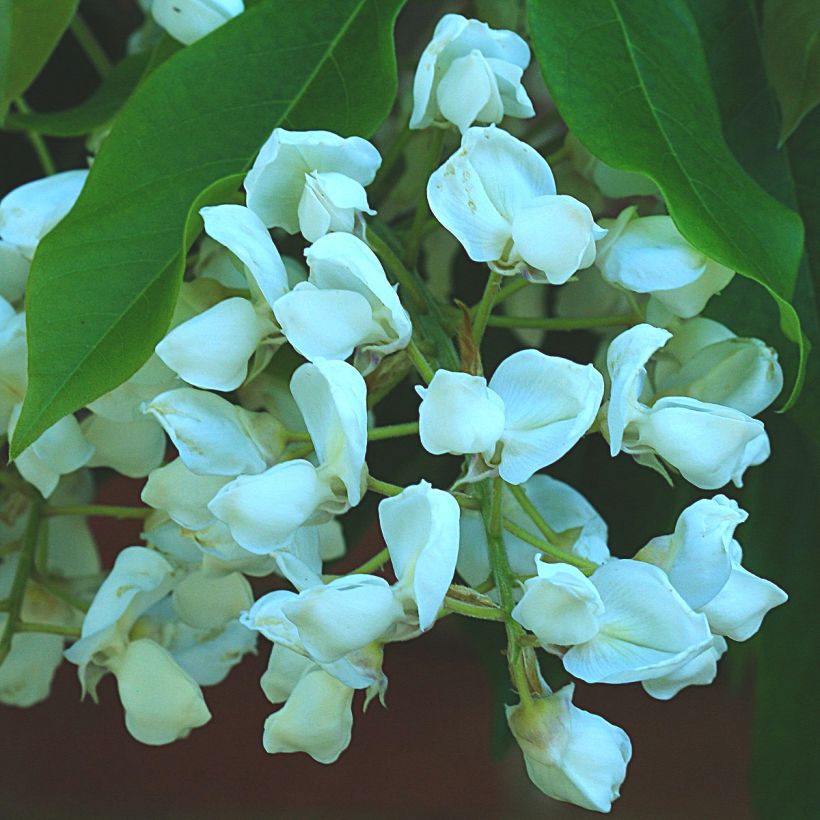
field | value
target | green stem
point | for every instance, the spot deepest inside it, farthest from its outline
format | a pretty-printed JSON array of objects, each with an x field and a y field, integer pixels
[
  {"x": 25, "y": 564},
  {"x": 100, "y": 511},
  {"x": 473, "y": 610},
  {"x": 88, "y": 42},
  {"x": 17, "y": 484},
  {"x": 372, "y": 564},
  {"x": 493, "y": 522},
  {"x": 396, "y": 267},
  {"x": 485, "y": 306},
  {"x": 520, "y": 495},
  {"x": 519, "y": 283},
  {"x": 551, "y": 323},
  {"x": 383, "y": 487},
  {"x": 37, "y": 142},
  {"x": 414, "y": 238},
  {"x": 391, "y": 157},
  {"x": 587, "y": 567},
  {"x": 50, "y": 629},
  {"x": 421, "y": 364},
  {"x": 408, "y": 428}
]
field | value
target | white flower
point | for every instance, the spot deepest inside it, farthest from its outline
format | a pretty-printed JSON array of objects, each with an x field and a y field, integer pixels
[
  {"x": 214, "y": 436},
  {"x": 709, "y": 444},
  {"x": 184, "y": 495},
  {"x": 211, "y": 350},
  {"x": 560, "y": 606},
  {"x": 263, "y": 511},
  {"x": 311, "y": 181},
  {"x": 190, "y": 20},
  {"x": 570, "y": 754},
  {"x": 706, "y": 361},
  {"x": 697, "y": 556},
  {"x": 470, "y": 73},
  {"x": 563, "y": 508},
  {"x": 536, "y": 407},
  {"x": 162, "y": 702},
  {"x": 698, "y": 671},
  {"x": 132, "y": 448},
  {"x": 497, "y": 196},
  {"x": 14, "y": 267},
  {"x": 611, "y": 182},
  {"x": 421, "y": 530},
  {"x": 739, "y": 608},
  {"x": 648, "y": 255},
  {"x": 347, "y": 614},
  {"x": 317, "y": 718},
  {"x": 346, "y": 304},
  {"x": 645, "y": 631},
  {"x": 13, "y": 357},
  {"x": 29, "y": 212},
  {"x": 206, "y": 602},
  {"x": 60, "y": 450}
]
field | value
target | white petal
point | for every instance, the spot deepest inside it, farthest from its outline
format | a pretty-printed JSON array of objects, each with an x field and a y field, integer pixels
[
  {"x": 699, "y": 671},
  {"x": 555, "y": 234},
  {"x": 421, "y": 530},
  {"x": 691, "y": 299},
  {"x": 459, "y": 414},
  {"x": 646, "y": 630},
  {"x": 468, "y": 90},
  {"x": 132, "y": 448},
  {"x": 161, "y": 701},
  {"x": 13, "y": 271},
  {"x": 190, "y": 20},
  {"x": 333, "y": 399},
  {"x": 326, "y": 324},
  {"x": 697, "y": 556},
  {"x": 208, "y": 656},
  {"x": 28, "y": 669},
  {"x": 285, "y": 668},
  {"x": 560, "y": 606},
  {"x": 626, "y": 362},
  {"x": 213, "y": 436},
  {"x": 342, "y": 616},
  {"x": 317, "y": 719},
  {"x": 243, "y": 233},
  {"x": 206, "y": 602},
  {"x": 212, "y": 349},
  {"x": 29, "y": 212},
  {"x": 549, "y": 403},
  {"x": 184, "y": 495},
  {"x": 708, "y": 444},
  {"x": 263, "y": 511},
  {"x": 739, "y": 608}
]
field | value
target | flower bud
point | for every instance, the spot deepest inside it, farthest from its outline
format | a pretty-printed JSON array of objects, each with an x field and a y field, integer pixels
[{"x": 570, "y": 754}]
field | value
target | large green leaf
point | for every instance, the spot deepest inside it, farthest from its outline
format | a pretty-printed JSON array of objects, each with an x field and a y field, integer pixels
[
  {"x": 791, "y": 47},
  {"x": 30, "y": 31},
  {"x": 631, "y": 81},
  {"x": 104, "y": 282}
]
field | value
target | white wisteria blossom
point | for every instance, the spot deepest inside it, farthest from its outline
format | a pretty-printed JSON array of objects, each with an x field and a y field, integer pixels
[
  {"x": 311, "y": 182},
  {"x": 497, "y": 196},
  {"x": 470, "y": 73},
  {"x": 560, "y": 605},
  {"x": 647, "y": 254},
  {"x": 571, "y": 754},
  {"x": 709, "y": 444},
  {"x": 346, "y": 304},
  {"x": 190, "y": 20},
  {"x": 533, "y": 411},
  {"x": 421, "y": 530},
  {"x": 263, "y": 511}
]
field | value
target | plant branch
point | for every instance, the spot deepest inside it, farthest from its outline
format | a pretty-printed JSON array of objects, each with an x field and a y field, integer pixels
[{"x": 89, "y": 44}]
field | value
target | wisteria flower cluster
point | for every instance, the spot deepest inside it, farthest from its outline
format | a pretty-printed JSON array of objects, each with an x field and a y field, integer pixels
[{"x": 266, "y": 389}]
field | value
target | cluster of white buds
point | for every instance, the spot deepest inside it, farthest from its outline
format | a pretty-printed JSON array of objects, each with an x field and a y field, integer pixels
[{"x": 269, "y": 456}]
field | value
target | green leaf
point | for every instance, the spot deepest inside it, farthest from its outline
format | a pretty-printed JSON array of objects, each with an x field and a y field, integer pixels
[
  {"x": 791, "y": 47},
  {"x": 96, "y": 111},
  {"x": 631, "y": 81},
  {"x": 103, "y": 283},
  {"x": 31, "y": 29}
]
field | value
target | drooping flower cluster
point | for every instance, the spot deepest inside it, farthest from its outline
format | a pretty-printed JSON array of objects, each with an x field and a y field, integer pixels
[{"x": 271, "y": 450}]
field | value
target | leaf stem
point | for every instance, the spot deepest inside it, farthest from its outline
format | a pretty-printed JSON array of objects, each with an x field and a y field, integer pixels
[
  {"x": 587, "y": 567},
  {"x": 372, "y": 564},
  {"x": 396, "y": 267},
  {"x": 424, "y": 368},
  {"x": 50, "y": 629},
  {"x": 99, "y": 511},
  {"x": 388, "y": 431},
  {"x": 391, "y": 157},
  {"x": 416, "y": 233},
  {"x": 61, "y": 594},
  {"x": 37, "y": 142},
  {"x": 383, "y": 487},
  {"x": 25, "y": 564},
  {"x": 520, "y": 495},
  {"x": 89, "y": 44},
  {"x": 551, "y": 323},
  {"x": 504, "y": 292},
  {"x": 473, "y": 610}
]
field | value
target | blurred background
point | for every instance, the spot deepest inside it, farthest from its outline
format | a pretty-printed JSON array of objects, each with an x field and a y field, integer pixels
[{"x": 744, "y": 747}]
